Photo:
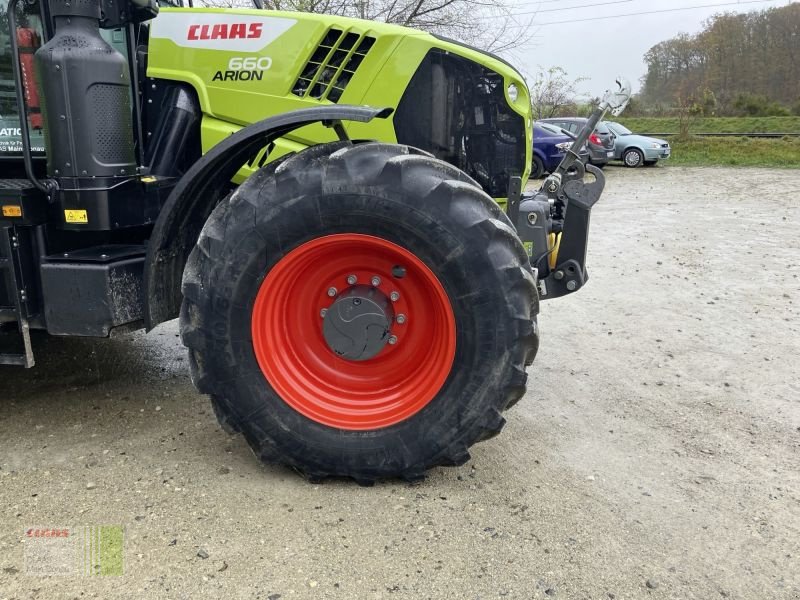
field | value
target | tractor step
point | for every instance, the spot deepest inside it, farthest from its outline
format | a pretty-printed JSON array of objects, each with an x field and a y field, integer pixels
[{"x": 13, "y": 303}]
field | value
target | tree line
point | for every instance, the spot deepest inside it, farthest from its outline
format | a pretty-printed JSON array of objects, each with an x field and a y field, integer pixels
[{"x": 740, "y": 64}]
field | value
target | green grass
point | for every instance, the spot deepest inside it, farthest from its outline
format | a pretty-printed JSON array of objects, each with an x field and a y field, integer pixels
[
  {"x": 714, "y": 124},
  {"x": 740, "y": 152}
]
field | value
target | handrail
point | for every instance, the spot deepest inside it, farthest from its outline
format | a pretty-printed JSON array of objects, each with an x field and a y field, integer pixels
[{"x": 47, "y": 186}]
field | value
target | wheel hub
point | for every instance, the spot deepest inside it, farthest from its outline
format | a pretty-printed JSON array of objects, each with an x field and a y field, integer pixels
[
  {"x": 356, "y": 326},
  {"x": 354, "y": 331}
]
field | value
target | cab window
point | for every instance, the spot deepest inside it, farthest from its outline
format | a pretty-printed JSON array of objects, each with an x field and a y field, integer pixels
[{"x": 29, "y": 38}]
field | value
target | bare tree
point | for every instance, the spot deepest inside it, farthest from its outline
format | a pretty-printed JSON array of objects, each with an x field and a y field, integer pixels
[
  {"x": 487, "y": 24},
  {"x": 552, "y": 90}
]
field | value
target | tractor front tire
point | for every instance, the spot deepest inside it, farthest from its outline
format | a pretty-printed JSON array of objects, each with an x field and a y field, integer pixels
[{"x": 324, "y": 233}]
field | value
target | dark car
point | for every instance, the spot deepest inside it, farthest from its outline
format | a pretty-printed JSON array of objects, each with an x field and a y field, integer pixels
[
  {"x": 600, "y": 144},
  {"x": 550, "y": 144}
]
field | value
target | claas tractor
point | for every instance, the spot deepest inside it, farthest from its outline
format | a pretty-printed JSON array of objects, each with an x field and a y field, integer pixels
[{"x": 333, "y": 208}]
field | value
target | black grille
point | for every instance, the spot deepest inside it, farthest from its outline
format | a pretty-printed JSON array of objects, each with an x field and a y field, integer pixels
[
  {"x": 113, "y": 139},
  {"x": 332, "y": 65},
  {"x": 456, "y": 109}
]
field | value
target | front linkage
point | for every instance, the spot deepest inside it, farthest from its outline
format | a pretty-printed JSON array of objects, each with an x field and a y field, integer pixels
[{"x": 553, "y": 222}]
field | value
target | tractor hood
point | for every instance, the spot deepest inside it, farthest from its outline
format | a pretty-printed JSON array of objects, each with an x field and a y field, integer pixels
[{"x": 246, "y": 65}]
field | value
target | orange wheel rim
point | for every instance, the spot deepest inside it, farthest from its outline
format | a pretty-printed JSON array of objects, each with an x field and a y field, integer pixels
[{"x": 300, "y": 365}]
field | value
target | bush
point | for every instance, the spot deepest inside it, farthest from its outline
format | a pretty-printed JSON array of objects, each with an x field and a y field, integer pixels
[
  {"x": 753, "y": 105},
  {"x": 776, "y": 109}
]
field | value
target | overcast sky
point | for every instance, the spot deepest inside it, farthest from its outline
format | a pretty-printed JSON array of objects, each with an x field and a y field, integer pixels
[{"x": 600, "y": 48}]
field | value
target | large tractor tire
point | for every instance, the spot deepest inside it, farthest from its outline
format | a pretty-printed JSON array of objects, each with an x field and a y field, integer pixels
[{"x": 360, "y": 310}]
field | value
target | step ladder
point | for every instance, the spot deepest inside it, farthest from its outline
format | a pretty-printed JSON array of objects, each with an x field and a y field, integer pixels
[{"x": 18, "y": 310}]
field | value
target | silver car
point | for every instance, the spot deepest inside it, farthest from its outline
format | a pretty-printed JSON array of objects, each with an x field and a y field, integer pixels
[{"x": 637, "y": 150}]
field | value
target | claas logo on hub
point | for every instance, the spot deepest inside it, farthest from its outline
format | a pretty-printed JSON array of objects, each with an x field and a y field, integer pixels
[{"x": 226, "y": 31}]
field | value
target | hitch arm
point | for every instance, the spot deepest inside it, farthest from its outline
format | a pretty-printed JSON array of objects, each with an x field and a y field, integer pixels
[{"x": 562, "y": 208}]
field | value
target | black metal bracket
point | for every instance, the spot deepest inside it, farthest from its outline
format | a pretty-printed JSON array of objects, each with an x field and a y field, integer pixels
[
  {"x": 514, "y": 196},
  {"x": 577, "y": 198},
  {"x": 15, "y": 287},
  {"x": 338, "y": 127}
]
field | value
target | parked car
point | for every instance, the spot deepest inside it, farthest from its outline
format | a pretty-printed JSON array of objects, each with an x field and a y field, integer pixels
[
  {"x": 600, "y": 144},
  {"x": 550, "y": 144},
  {"x": 637, "y": 150}
]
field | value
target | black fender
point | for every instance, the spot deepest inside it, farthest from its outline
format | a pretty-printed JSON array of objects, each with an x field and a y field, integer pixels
[{"x": 197, "y": 193}]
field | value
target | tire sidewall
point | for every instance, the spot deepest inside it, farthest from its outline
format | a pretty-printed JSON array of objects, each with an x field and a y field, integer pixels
[{"x": 537, "y": 168}]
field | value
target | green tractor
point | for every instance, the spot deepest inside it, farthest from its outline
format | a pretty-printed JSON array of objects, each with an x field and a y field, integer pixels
[{"x": 332, "y": 207}]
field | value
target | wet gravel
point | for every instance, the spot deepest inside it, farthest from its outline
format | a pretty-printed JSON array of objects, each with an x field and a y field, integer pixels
[{"x": 656, "y": 455}]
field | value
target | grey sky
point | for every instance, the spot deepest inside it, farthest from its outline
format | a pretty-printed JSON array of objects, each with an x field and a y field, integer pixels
[{"x": 601, "y": 49}]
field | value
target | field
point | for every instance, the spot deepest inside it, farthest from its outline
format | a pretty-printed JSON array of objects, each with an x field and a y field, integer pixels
[
  {"x": 714, "y": 124},
  {"x": 736, "y": 152},
  {"x": 656, "y": 454},
  {"x": 727, "y": 151}
]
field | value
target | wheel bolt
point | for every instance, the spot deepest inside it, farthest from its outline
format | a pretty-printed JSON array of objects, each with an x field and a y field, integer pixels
[
  {"x": 332, "y": 291},
  {"x": 395, "y": 296},
  {"x": 392, "y": 340},
  {"x": 401, "y": 318},
  {"x": 571, "y": 285},
  {"x": 323, "y": 312},
  {"x": 352, "y": 279},
  {"x": 376, "y": 281}
]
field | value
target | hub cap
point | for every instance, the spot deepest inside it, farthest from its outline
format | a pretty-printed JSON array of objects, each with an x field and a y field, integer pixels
[
  {"x": 632, "y": 158},
  {"x": 357, "y": 324},
  {"x": 328, "y": 339}
]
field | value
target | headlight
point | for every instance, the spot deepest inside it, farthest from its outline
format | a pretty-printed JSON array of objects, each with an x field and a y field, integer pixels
[
  {"x": 564, "y": 146},
  {"x": 654, "y": 145},
  {"x": 513, "y": 92}
]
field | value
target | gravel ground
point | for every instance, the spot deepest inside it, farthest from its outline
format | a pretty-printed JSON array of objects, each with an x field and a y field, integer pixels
[{"x": 656, "y": 455}]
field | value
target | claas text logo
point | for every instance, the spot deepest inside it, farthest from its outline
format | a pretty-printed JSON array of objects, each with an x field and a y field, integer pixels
[{"x": 226, "y": 31}]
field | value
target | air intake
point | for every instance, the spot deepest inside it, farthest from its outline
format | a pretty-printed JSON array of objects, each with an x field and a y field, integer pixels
[{"x": 332, "y": 65}]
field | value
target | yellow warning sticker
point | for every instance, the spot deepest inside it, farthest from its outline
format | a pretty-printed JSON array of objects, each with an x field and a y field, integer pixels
[
  {"x": 76, "y": 216},
  {"x": 12, "y": 211}
]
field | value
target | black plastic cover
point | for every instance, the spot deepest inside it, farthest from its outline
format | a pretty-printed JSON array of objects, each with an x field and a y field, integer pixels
[
  {"x": 86, "y": 88},
  {"x": 89, "y": 292}
]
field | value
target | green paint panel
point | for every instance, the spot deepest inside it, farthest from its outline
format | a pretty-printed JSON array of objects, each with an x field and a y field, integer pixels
[{"x": 247, "y": 65}]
